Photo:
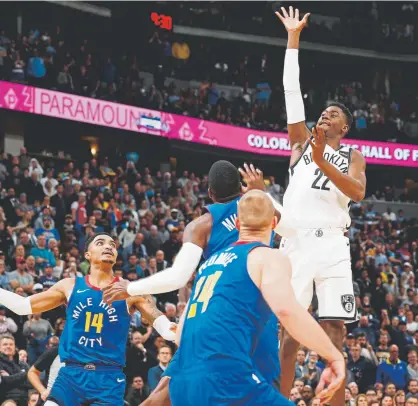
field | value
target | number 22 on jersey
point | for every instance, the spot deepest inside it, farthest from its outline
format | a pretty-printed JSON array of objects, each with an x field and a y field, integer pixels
[{"x": 203, "y": 293}]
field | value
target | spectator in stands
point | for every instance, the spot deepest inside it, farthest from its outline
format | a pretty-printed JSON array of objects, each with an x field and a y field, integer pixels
[
  {"x": 33, "y": 398},
  {"x": 35, "y": 191},
  {"x": 13, "y": 378},
  {"x": 128, "y": 235},
  {"x": 138, "y": 359},
  {"x": 65, "y": 80},
  {"x": 36, "y": 330},
  {"x": 155, "y": 373},
  {"x": 36, "y": 68},
  {"x": 161, "y": 263},
  {"x": 137, "y": 393},
  {"x": 47, "y": 280},
  {"x": 47, "y": 230},
  {"x": 132, "y": 266},
  {"x": 4, "y": 277},
  {"x": 413, "y": 364},
  {"x": 79, "y": 210},
  {"x": 137, "y": 248},
  {"x": 42, "y": 255},
  {"x": 393, "y": 370},
  {"x": 7, "y": 325},
  {"x": 172, "y": 246},
  {"x": 154, "y": 241},
  {"x": 46, "y": 212},
  {"x": 362, "y": 369},
  {"x": 412, "y": 389},
  {"x": 21, "y": 278},
  {"x": 295, "y": 395},
  {"x": 311, "y": 371}
]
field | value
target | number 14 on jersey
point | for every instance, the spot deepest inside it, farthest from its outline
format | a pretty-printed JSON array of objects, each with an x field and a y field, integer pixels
[{"x": 203, "y": 293}]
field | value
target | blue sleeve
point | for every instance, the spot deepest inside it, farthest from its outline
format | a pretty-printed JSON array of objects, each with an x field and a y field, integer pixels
[
  {"x": 34, "y": 252},
  {"x": 154, "y": 376},
  {"x": 39, "y": 231}
]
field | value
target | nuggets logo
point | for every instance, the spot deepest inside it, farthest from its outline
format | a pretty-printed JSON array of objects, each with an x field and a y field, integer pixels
[{"x": 347, "y": 302}]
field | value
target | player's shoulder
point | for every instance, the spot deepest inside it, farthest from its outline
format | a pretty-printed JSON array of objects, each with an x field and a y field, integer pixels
[
  {"x": 262, "y": 254},
  {"x": 199, "y": 227},
  {"x": 65, "y": 286}
]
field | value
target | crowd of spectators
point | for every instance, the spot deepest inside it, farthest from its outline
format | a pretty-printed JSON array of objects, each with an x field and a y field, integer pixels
[
  {"x": 46, "y": 214},
  {"x": 48, "y": 59},
  {"x": 373, "y": 25}
]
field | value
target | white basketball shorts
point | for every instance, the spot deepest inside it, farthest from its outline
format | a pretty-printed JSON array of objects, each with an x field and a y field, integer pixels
[{"x": 322, "y": 257}]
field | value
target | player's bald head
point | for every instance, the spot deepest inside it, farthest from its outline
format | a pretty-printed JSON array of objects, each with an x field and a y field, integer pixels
[{"x": 255, "y": 210}]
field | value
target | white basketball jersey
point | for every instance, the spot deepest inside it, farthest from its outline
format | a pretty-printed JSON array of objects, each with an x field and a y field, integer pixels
[{"x": 311, "y": 200}]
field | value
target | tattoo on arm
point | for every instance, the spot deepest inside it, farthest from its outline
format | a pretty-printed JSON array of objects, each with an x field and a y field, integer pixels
[{"x": 148, "y": 308}]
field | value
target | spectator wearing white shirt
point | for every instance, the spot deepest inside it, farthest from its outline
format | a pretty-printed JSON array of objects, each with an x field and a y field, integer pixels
[
  {"x": 413, "y": 364},
  {"x": 128, "y": 234},
  {"x": 389, "y": 215},
  {"x": 411, "y": 324},
  {"x": 7, "y": 325}
]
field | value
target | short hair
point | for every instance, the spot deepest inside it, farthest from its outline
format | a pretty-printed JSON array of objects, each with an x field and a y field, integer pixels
[
  {"x": 91, "y": 239},
  {"x": 8, "y": 401},
  {"x": 7, "y": 337},
  {"x": 224, "y": 181},
  {"x": 32, "y": 392},
  {"x": 346, "y": 111},
  {"x": 165, "y": 346}
]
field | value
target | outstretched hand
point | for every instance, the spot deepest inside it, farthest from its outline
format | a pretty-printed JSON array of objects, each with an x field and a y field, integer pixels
[
  {"x": 318, "y": 147},
  {"x": 332, "y": 377},
  {"x": 116, "y": 291},
  {"x": 253, "y": 177},
  {"x": 291, "y": 20}
]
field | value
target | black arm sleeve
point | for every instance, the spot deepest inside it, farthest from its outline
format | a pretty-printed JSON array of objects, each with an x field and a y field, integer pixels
[{"x": 44, "y": 362}]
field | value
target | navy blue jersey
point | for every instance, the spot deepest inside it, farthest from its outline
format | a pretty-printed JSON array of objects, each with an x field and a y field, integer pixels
[
  {"x": 94, "y": 332},
  {"x": 226, "y": 315}
]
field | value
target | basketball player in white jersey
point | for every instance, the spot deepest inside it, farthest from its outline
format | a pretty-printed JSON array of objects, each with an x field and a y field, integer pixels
[{"x": 325, "y": 177}]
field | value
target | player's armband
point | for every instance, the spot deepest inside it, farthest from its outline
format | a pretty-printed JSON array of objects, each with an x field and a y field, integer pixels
[
  {"x": 16, "y": 303},
  {"x": 295, "y": 109}
]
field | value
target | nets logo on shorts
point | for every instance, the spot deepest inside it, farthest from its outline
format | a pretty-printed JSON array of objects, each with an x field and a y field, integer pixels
[{"x": 348, "y": 303}]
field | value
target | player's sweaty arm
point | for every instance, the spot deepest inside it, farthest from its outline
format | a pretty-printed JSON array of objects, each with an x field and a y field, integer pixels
[
  {"x": 194, "y": 240},
  {"x": 295, "y": 110},
  {"x": 271, "y": 272},
  {"x": 38, "y": 303},
  {"x": 352, "y": 184}
]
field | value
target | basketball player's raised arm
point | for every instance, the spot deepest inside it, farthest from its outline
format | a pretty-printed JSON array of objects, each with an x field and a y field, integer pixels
[
  {"x": 38, "y": 303},
  {"x": 295, "y": 110},
  {"x": 271, "y": 272},
  {"x": 173, "y": 278},
  {"x": 352, "y": 184}
]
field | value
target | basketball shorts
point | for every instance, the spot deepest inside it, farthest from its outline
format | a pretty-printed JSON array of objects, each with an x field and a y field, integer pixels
[
  {"x": 76, "y": 385},
  {"x": 322, "y": 257},
  {"x": 232, "y": 388}
]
